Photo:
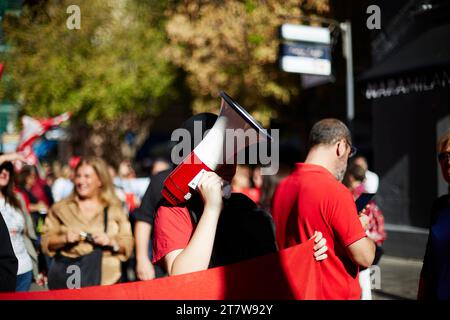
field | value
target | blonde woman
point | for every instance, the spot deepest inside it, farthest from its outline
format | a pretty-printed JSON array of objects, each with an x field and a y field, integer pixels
[{"x": 75, "y": 226}]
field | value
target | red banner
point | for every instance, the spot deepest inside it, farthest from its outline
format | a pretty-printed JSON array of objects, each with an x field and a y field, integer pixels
[{"x": 289, "y": 274}]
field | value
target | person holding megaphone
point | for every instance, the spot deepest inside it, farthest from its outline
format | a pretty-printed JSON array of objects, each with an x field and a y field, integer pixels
[{"x": 212, "y": 228}]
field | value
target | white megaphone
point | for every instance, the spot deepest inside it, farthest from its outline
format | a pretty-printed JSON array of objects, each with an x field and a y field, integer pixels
[{"x": 216, "y": 149}]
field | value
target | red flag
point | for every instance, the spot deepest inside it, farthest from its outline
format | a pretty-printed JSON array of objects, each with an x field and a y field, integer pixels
[
  {"x": 291, "y": 273},
  {"x": 32, "y": 130},
  {"x": 1, "y": 70}
]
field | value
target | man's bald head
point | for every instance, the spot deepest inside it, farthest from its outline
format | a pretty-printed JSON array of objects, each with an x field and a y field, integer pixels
[{"x": 328, "y": 132}]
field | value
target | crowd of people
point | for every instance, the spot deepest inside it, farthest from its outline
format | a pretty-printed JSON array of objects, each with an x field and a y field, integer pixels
[
  {"x": 51, "y": 210},
  {"x": 116, "y": 227}
]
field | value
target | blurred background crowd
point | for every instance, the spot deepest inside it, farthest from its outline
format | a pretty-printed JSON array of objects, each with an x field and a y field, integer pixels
[
  {"x": 51, "y": 186},
  {"x": 117, "y": 87}
]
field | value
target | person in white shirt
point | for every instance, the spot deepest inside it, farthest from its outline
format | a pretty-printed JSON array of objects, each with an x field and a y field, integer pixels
[
  {"x": 19, "y": 225},
  {"x": 372, "y": 180},
  {"x": 129, "y": 183},
  {"x": 63, "y": 186}
]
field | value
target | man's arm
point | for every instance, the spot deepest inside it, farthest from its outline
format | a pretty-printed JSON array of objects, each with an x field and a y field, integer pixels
[
  {"x": 362, "y": 252},
  {"x": 144, "y": 267},
  {"x": 145, "y": 217}
]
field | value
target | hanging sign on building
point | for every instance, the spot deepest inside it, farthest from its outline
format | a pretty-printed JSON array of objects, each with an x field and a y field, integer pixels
[{"x": 305, "y": 50}]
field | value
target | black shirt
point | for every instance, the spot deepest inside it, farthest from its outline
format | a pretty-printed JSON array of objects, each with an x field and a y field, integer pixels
[
  {"x": 152, "y": 198},
  {"x": 435, "y": 269},
  {"x": 8, "y": 260},
  {"x": 244, "y": 231}
]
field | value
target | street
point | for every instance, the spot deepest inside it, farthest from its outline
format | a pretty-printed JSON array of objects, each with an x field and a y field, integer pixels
[{"x": 399, "y": 278}]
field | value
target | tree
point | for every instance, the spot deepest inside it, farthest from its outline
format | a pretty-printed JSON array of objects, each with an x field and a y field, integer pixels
[
  {"x": 233, "y": 45},
  {"x": 120, "y": 69},
  {"x": 110, "y": 68}
]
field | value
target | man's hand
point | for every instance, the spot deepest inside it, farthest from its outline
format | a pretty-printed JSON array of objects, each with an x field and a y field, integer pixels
[
  {"x": 145, "y": 269},
  {"x": 320, "y": 248}
]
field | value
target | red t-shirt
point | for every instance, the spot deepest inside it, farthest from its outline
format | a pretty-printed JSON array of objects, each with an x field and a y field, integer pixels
[
  {"x": 312, "y": 199},
  {"x": 172, "y": 230},
  {"x": 38, "y": 191}
]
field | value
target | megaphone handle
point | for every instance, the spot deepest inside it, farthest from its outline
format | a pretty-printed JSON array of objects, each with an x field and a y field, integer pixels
[
  {"x": 226, "y": 188},
  {"x": 195, "y": 181}
]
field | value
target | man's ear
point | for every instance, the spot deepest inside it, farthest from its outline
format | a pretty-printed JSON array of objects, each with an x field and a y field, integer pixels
[{"x": 340, "y": 148}]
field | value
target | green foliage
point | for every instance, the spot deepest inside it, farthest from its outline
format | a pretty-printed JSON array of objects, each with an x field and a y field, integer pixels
[
  {"x": 111, "y": 66},
  {"x": 122, "y": 59},
  {"x": 233, "y": 46}
]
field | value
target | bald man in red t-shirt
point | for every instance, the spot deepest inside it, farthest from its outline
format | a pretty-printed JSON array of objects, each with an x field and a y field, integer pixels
[{"x": 313, "y": 198}]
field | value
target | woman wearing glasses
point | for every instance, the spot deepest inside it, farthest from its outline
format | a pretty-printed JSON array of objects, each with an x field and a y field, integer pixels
[{"x": 435, "y": 276}]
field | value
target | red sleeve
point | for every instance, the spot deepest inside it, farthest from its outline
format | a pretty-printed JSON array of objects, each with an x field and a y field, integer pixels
[
  {"x": 344, "y": 219},
  {"x": 172, "y": 230}
]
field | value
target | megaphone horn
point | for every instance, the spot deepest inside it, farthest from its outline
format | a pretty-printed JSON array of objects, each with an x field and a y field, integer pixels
[{"x": 234, "y": 122}]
